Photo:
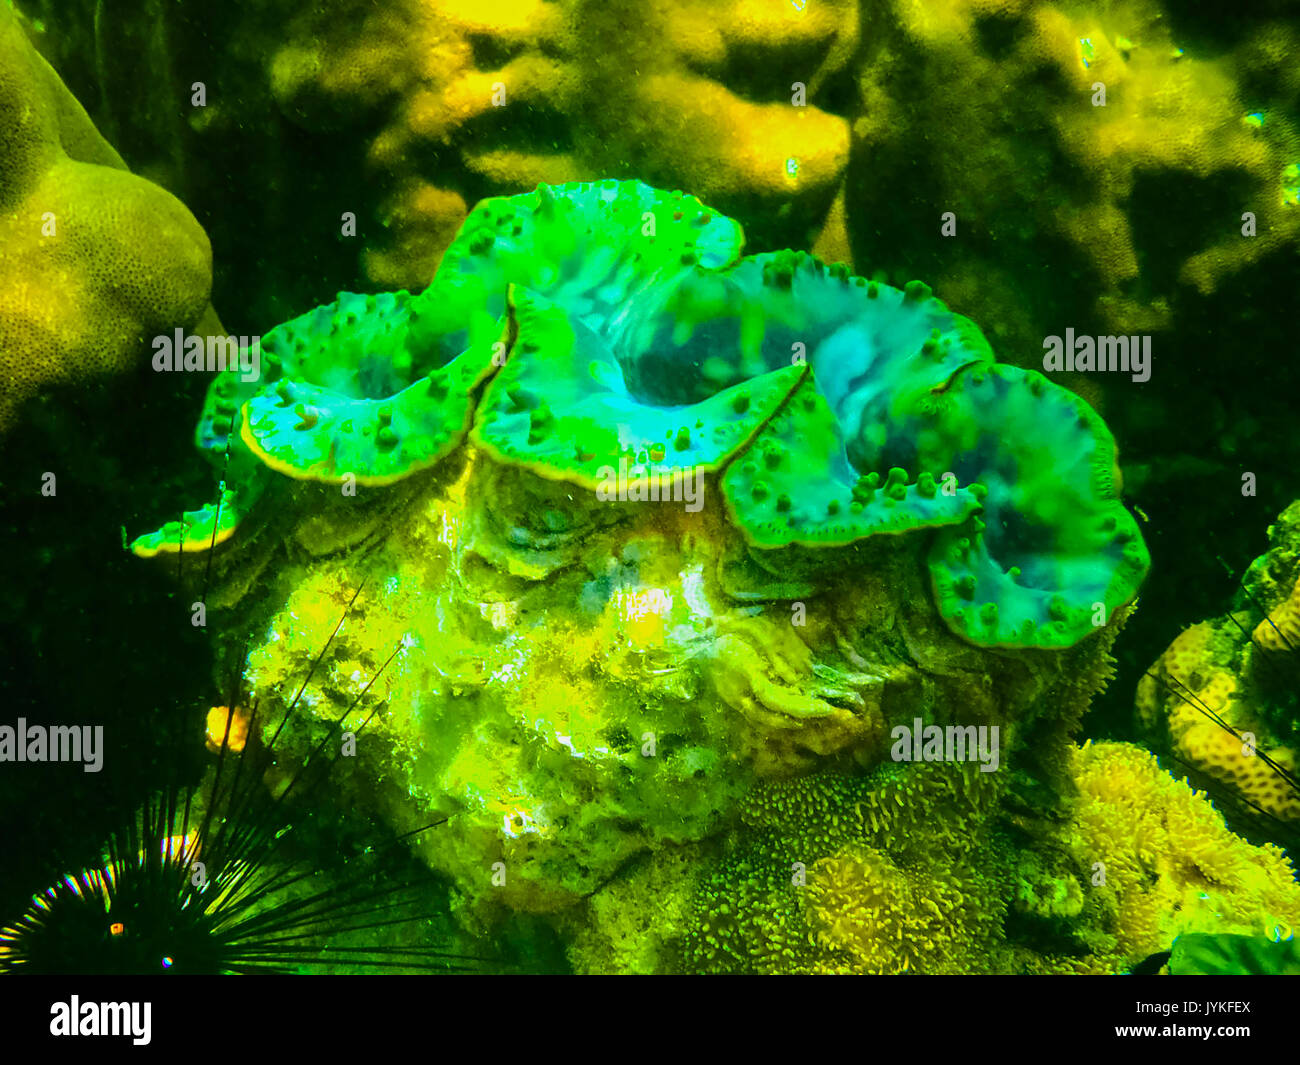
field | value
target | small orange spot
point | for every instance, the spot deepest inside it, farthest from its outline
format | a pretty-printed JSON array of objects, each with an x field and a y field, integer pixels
[
  {"x": 217, "y": 718},
  {"x": 117, "y": 928}
]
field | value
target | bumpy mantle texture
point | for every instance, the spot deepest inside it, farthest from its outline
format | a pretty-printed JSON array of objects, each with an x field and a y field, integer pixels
[{"x": 587, "y": 327}]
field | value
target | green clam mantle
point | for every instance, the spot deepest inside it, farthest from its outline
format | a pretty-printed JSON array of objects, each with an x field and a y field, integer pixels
[{"x": 605, "y": 326}]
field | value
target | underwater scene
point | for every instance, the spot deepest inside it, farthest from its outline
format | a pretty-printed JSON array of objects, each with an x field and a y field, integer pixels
[{"x": 649, "y": 487}]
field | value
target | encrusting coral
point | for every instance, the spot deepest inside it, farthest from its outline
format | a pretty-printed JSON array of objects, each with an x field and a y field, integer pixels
[
  {"x": 94, "y": 261},
  {"x": 1222, "y": 697},
  {"x": 835, "y": 876},
  {"x": 1105, "y": 100}
]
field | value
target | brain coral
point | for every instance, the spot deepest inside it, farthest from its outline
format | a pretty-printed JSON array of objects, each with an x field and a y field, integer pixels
[
  {"x": 93, "y": 260},
  {"x": 1222, "y": 697}
]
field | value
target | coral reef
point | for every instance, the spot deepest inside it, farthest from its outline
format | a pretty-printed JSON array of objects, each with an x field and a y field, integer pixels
[
  {"x": 1113, "y": 217},
  {"x": 1169, "y": 118},
  {"x": 905, "y": 869},
  {"x": 93, "y": 259},
  {"x": 1222, "y": 698},
  {"x": 1122, "y": 219},
  {"x": 640, "y": 565},
  {"x": 438, "y": 104},
  {"x": 559, "y": 652}
]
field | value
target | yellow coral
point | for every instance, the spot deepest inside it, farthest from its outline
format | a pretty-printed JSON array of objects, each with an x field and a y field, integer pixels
[
  {"x": 532, "y": 91},
  {"x": 1161, "y": 860},
  {"x": 883, "y": 919},
  {"x": 1177, "y": 667},
  {"x": 1233, "y": 758},
  {"x": 1192, "y": 698},
  {"x": 93, "y": 260},
  {"x": 1280, "y": 631}
]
